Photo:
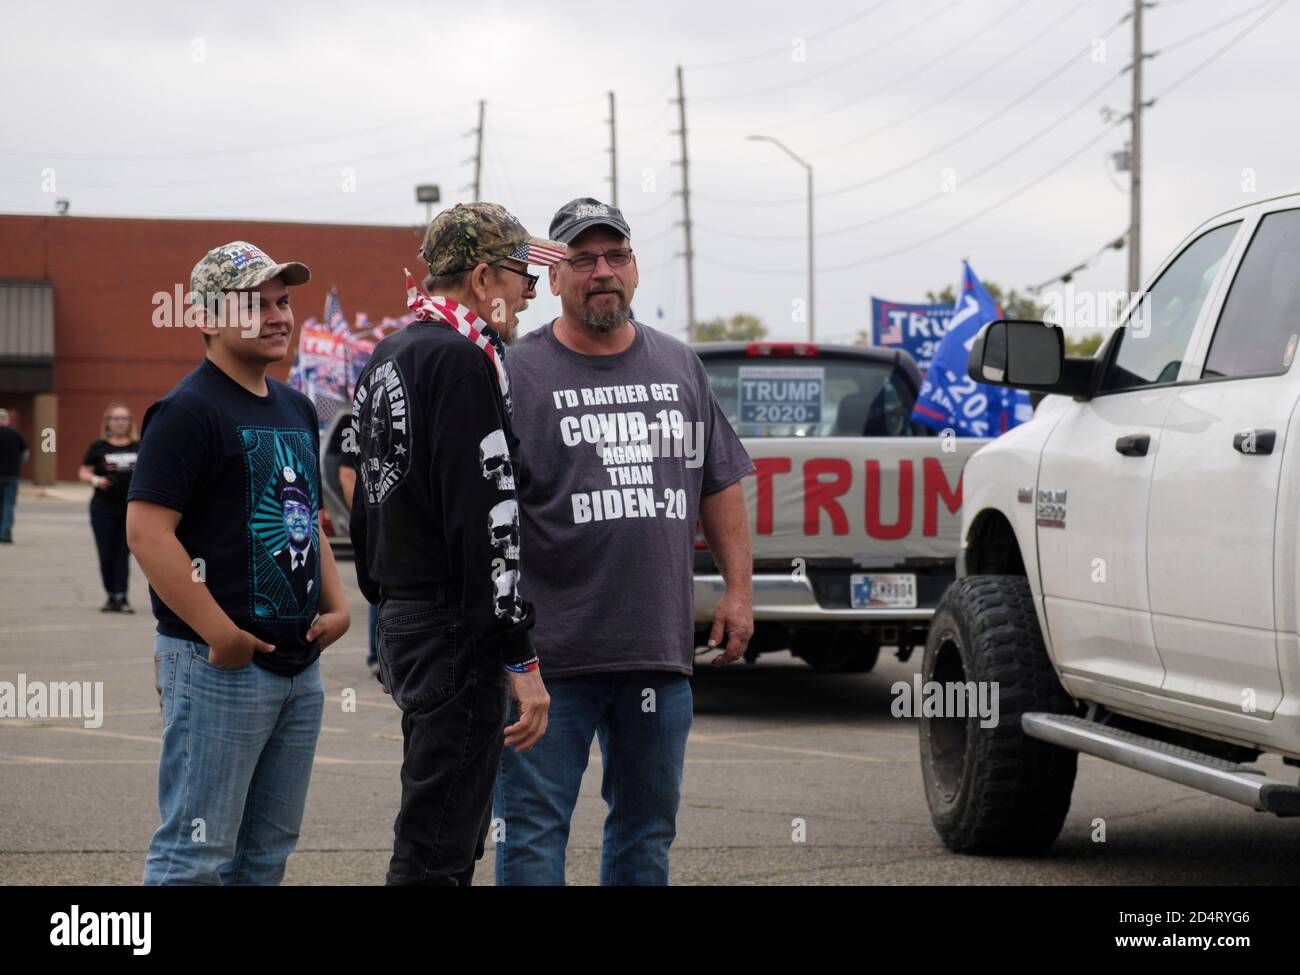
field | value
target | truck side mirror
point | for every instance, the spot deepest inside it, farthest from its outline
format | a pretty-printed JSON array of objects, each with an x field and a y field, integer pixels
[{"x": 1026, "y": 355}]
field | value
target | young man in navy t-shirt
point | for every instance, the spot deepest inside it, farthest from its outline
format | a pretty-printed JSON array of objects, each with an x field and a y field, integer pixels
[{"x": 223, "y": 517}]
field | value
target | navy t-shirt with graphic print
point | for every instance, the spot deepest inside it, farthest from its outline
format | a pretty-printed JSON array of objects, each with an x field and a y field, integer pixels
[{"x": 242, "y": 470}]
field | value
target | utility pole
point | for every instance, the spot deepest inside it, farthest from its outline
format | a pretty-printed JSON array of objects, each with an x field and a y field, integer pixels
[
  {"x": 1135, "y": 161},
  {"x": 613, "y": 154},
  {"x": 478, "y": 154},
  {"x": 689, "y": 254}
]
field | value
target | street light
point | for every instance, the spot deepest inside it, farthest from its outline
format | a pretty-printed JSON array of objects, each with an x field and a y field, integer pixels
[
  {"x": 786, "y": 149},
  {"x": 428, "y": 194}
]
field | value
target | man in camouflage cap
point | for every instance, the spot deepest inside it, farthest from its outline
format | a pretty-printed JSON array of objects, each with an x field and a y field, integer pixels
[
  {"x": 225, "y": 271},
  {"x": 435, "y": 528},
  {"x": 472, "y": 234},
  {"x": 227, "y": 479}
]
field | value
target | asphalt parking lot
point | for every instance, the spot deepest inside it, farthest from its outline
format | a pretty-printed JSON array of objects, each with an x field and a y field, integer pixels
[{"x": 774, "y": 746}]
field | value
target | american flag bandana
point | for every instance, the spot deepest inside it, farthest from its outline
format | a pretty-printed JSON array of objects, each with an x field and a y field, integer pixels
[{"x": 434, "y": 308}]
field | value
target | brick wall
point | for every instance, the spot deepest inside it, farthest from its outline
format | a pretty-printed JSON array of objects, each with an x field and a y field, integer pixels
[{"x": 105, "y": 273}]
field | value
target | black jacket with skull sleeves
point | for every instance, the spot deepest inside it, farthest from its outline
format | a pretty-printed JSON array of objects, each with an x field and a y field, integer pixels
[{"x": 435, "y": 504}]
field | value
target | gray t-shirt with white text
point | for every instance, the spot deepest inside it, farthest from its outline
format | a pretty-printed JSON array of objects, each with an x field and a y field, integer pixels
[{"x": 615, "y": 452}]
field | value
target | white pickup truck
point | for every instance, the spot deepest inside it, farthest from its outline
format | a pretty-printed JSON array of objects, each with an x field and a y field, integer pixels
[
  {"x": 854, "y": 510},
  {"x": 1129, "y": 569}
]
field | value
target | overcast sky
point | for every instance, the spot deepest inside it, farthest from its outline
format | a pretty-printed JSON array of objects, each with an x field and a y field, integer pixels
[{"x": 332, "y": 112}]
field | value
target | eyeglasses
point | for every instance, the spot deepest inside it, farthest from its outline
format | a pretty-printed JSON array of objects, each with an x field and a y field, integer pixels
[
  {"x": 529, "y": 279},
  {"x": 587, "y": 262}
]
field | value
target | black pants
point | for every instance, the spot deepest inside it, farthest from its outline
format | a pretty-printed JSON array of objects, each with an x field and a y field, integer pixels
[
  {"x": 453, "y": 700},
  {"x": 108, "y": 522}
]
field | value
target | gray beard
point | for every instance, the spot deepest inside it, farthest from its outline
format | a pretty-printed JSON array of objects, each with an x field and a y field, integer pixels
[{"x": 604, "y": 322}]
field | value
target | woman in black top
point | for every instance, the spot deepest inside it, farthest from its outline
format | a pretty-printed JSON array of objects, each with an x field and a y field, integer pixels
[{"x": 107, "y": 466}]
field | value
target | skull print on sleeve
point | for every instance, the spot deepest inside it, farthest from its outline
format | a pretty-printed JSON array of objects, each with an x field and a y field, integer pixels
[{"x": 480, "y": 510}]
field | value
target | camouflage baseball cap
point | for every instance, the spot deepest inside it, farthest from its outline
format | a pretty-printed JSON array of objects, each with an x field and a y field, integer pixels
[
  {"x": 239, "y": 266},
  {"x": 470, "y": 234}
]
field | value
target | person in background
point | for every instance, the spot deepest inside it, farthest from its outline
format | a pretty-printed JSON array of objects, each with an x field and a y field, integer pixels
[
  {"x": 348, "y": 484},
  {"x": 13, "y": 453},
  {"x": 107, "y": 467}
]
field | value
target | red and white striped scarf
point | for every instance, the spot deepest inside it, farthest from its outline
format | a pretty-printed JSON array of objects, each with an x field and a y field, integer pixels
[{"x": 435, "y": 308}]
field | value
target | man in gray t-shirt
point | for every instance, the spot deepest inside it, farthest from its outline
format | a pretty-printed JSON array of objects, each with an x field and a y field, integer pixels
[{"x": 622, "y": 447}]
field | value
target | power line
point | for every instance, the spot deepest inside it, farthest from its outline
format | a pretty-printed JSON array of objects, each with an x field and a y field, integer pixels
[
  {"x": 406, "y": 123},
  {"x": 553, "y": 107},
  {"x": 1117, "y": 243},
  {"x": 1002, "y": 201},
  {"x": 276, "y": 201},
  {"x": 874, "y": 90},
  {"x": 884, "y": 255},
  {"x": 865, "y": 52},
  {"x": 245, "y": 176},
  {"x": 651, "y": 238},
  {"x": 979, "y": 126},
  {"x": 1211, "y": 29},
  {"x": 785, "y": 48},
  {"x": 1220, "y": 52},
  {"x": 1064, "y": 277},
  {"x": 994, "y": 63},
  {"x": 638, "y": 214},
  {"x": 933, "y": 198},
  {"x": 653, "y": 99},
  {"x": 550, "y": 136}
]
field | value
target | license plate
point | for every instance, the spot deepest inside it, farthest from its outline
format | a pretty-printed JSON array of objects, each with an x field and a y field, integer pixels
[{"x": 883, "y": 591}]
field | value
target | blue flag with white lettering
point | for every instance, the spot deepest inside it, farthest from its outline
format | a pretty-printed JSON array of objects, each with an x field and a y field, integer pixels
[{"x": 950, "y": 399}]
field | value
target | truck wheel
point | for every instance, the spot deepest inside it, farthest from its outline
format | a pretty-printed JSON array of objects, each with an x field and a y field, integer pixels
[
  {"x": 848, "y": 652},
  {"x": 994, "y": 790}
]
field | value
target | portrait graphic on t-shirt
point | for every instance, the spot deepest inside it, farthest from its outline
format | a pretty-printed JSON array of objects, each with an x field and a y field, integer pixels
[{"x": 284, "y": 533}]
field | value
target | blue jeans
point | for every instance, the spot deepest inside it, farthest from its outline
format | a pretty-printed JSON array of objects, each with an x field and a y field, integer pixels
[
  {"x": 642, "y": 747},
  {"x": 8, "y": 496},
  {"x": 237, "y": 752}
]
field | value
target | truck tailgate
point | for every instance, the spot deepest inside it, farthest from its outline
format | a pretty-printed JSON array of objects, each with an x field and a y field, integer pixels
[{"x": 874, "y": 500}]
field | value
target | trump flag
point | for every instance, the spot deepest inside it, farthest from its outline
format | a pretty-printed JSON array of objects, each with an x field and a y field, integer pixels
[{"x": 950, "y": 399}]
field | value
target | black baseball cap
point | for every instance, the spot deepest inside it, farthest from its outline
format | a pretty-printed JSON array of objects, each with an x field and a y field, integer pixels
[{"x": 580, "y": 214}]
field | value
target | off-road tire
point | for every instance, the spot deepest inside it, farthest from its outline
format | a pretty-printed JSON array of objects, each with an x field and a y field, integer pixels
[{"x": 994, "y": 790}]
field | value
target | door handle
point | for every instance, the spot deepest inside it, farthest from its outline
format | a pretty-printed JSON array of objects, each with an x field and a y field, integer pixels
[
  {"x": 1134, "y": 445},
  {"x": 1255, "y": 441}
]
